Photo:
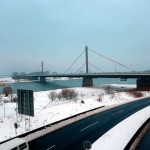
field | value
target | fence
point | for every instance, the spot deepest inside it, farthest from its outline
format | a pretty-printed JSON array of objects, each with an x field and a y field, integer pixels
[{"x": 7, "y": 111}]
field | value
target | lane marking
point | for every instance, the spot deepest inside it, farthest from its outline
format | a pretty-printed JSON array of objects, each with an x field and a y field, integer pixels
[
  {"x": 136, "y": 105},
  {"x": 117, "y": 112},
  {"x": 90, "y": 126},
  {"x": 50, "y": 147},
  {"x": 120, "y": 111}
]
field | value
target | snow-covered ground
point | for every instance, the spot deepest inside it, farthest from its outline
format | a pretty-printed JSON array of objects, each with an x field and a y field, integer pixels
[
  {"x": 10, "y": 80},
  {"x": 47, "y": 111}
]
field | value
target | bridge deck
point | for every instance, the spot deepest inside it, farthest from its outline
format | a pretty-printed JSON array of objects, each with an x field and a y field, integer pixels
[{"x": 98, "y": 75}]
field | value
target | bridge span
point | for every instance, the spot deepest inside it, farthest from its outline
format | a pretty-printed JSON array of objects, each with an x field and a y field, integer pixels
[{"x": 143, "y": 78}]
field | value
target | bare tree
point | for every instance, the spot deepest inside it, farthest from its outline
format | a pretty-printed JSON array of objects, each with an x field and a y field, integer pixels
[
  {"x": 72, "y": 94},
  {"x": 69, "y": 93},
  {"x": 52, "y": 95},
  {"x": 108, "y": 89},
  {"x": 7, "y": 90},
  {"x": 59, "y": 96},
  {"x": 65, "y": 93}
]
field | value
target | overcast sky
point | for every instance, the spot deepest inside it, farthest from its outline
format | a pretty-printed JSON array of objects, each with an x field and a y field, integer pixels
[{"x": 57, "y": 31}]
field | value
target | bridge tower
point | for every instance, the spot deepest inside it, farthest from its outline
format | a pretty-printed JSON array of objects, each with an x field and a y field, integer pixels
[
  {"x": 42, "y": 67},
  {"x": 86, "y": 57},
  {"x": 42, "y": 78},
  {"x": 87, "y": 81}
]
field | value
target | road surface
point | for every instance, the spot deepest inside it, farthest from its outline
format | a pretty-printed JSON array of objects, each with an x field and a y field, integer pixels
[{"x": 90, "y": 129}]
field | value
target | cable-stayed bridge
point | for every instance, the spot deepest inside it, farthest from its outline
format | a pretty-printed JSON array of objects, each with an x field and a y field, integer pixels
[{"x": 143, "y": 78}]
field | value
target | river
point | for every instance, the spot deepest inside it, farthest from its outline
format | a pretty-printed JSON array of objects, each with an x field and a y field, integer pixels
[{"x": 59, "y": 84}]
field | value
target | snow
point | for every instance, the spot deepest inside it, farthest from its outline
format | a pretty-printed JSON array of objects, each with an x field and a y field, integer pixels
[
  {"x": 57, "y": 110},
  {"x": 9, "y": 79},
  {"x": 6, "y": 80}
]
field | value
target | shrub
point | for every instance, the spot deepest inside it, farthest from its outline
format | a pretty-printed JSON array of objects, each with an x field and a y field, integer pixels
[
  {"x": 82, "y": 101},
  {"x": 14, "y": 99},
  {"x": 69, "y": 93},
  {"x": 59, "y": 96},
  {"x": 65, "y": 93},
  {"x": 135, "y": 93},
  {"x": 99, "y": 99},
  {"x": 72, "y": 94},
  {"x": 108, "y": 89},
  {"x": 52, "y": 95},
  {"x": 7, "y": 90},
  {"x": 6, "y": 101}
]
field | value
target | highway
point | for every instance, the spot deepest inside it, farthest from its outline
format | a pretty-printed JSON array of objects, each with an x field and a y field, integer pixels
[{"x": 90, "y": 129}]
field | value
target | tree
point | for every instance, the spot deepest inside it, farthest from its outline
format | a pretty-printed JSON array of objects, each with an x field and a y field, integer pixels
[
  {"x": 22, "y": 75},
  {"x": 72, "y": 94},
  {"x": 15, "y": 75},
  {"x": 108, "y": 89},
  {"x": 52, "y": 95},
  {"x": 69, "y": 93},
  {"x": 65, "y": 93},
  {"x": 7, "y": 90},
  {"x": 59, "y": 96}
]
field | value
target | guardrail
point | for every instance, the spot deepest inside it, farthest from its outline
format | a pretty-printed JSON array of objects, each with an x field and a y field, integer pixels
[{"x": 43, "y": 127}]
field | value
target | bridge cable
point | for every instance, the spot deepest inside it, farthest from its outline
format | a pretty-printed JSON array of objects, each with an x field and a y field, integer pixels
[
  {"x": 111, "y": 60},
  {"x": 96, "y": 67},
  {"x": 80, "y": 68},
  {"x": 74, "y": 62}
]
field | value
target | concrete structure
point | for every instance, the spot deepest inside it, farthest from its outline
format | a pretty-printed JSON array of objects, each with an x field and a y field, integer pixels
[
  {"x": 87, "y": 81},
  {"x": 143, "y": 83},
  {"x": 143, "y": 79}
]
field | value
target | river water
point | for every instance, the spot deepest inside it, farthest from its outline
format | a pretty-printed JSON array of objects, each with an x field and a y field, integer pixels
[{"x": 59, "y": 84}]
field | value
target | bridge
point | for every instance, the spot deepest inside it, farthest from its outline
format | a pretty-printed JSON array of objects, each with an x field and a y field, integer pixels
[{"x": 143, "y": 78}]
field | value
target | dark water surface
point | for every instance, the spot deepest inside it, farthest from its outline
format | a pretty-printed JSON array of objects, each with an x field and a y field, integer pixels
[{"x": 59, "y": 84}]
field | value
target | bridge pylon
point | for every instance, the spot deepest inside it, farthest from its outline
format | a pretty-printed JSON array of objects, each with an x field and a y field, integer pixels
[{"x": 87, "y": 81}]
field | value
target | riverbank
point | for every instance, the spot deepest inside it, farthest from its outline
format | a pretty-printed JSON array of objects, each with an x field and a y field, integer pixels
[
  {"x": 10, "y": 80},
  {"x": 48, "y": 111}
]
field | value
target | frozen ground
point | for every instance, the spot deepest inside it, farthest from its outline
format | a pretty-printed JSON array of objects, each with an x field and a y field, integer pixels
[{"x": 47, "y": 111}]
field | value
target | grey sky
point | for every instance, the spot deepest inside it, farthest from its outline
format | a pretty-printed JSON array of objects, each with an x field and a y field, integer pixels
[{"x": 57, "y": 31}]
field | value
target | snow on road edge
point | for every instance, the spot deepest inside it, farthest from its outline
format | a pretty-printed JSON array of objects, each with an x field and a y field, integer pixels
[{"x": 119, "y": 136}]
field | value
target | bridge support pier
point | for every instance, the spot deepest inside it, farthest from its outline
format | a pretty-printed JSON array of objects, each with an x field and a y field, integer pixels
[
  {"x": 87, "y": 82},
  {"x": 42, "y": 79},
  {"x": 143, "y": 83},
  {"x": 34, "y": 78}
]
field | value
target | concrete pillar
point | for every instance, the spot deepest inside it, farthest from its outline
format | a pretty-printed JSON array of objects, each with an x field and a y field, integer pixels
[
  {"x": 86, "y": 57},
  {"x": 87, "y": 82},
  {"x": 34, "y": 78},
  {"x": 143, "y": 83},
  {"x": 42, "y": 79}
]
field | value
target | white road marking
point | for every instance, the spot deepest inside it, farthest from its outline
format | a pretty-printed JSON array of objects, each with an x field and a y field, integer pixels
[
  {"x": 50, "y": 147},
  {"x": 90, "y": 126},
  {"x": 120, "y": 111},
  {"x": 117, "y": 112},
  {"x": 136, "y": 105}
]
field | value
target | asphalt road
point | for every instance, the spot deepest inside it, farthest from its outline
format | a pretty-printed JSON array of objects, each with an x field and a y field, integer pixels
[{"x": 90, "y": 129}]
